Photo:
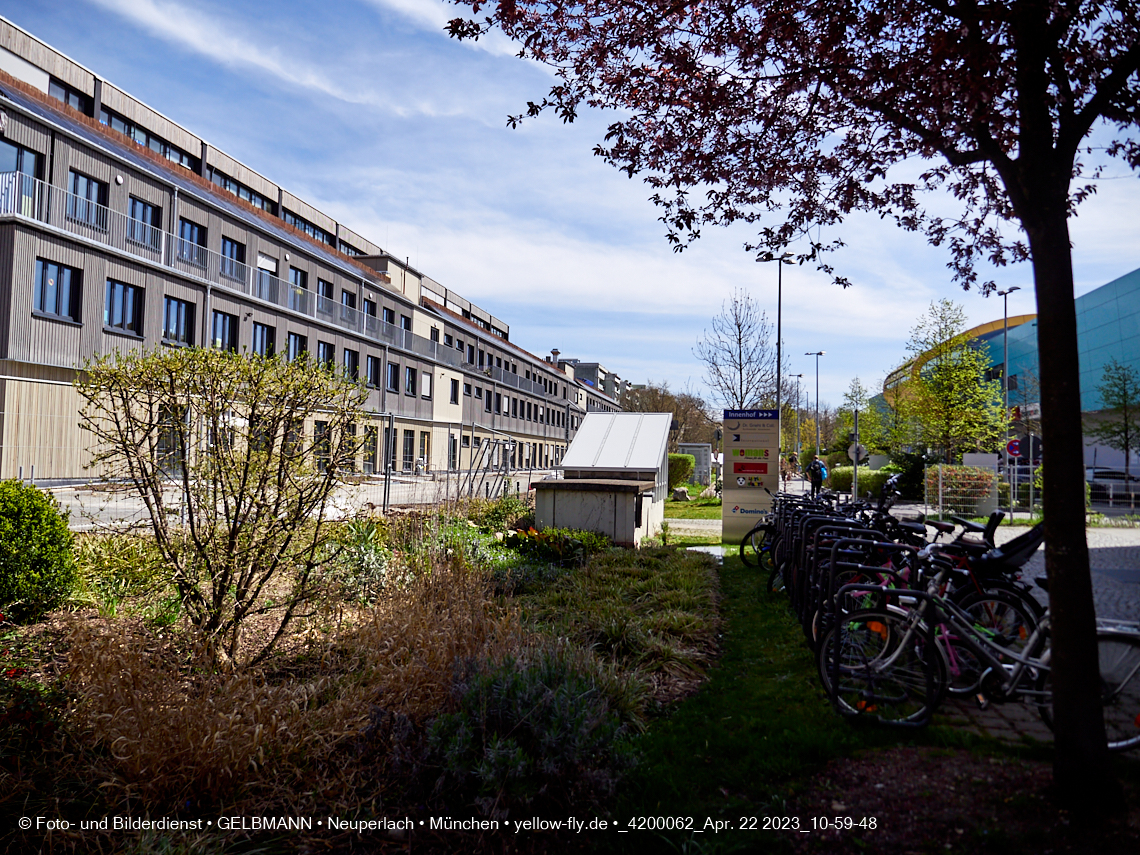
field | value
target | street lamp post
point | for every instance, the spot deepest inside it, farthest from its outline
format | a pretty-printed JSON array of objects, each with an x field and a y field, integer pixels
[
  {"x": 780, "y": 262},
  {"x": 798, "y": 378},
  {"x": 817, "y": 354},
  {"x": 1005, "y": 385}
]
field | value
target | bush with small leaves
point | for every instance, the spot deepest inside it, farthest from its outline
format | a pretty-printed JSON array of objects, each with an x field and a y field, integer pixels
[
  {"x": 537, "y": 735},
  {"x": 37, "y": 569}
]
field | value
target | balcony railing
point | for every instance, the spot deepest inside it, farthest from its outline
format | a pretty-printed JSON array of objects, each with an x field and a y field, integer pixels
[{"x": 24, "y": 196}]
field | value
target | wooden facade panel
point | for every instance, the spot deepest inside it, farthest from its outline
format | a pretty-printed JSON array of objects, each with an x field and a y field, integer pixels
[
  {"x": 142, "y": 115},
  {"x": 8, "y": 237},
  {"x": 41, "y": 429},
  {"x": 307, "y": 212},
  {"x": 71, "y": 155},
  {"x": 358, "y": 241},
  {"x": 52, "y": 61},
  {"x": 242, "y": 173},
  {"x": 31, "y": 135}
]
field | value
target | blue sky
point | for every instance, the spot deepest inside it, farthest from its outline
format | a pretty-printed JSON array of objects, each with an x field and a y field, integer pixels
[{"x": 365, "y": 109}]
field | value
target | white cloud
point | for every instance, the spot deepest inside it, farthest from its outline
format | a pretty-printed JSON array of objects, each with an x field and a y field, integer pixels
[{"x": 433, "y": 15}]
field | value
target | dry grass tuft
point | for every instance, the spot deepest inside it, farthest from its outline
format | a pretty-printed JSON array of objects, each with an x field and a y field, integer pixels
[{"x": 171, "y": 732}]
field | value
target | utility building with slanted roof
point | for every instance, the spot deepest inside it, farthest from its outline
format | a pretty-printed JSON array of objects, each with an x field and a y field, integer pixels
[{"x": 615, "y": 478}]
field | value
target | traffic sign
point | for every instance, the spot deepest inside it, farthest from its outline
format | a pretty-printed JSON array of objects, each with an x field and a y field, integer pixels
[
  {"x": 1013, "y": 448},
  {"x": 857, "y": 452}
]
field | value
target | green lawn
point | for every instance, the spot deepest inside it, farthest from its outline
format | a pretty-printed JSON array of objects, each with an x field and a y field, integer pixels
[
  {"x": 757, "y": 730},
  {"x": 697, "y": 509}
]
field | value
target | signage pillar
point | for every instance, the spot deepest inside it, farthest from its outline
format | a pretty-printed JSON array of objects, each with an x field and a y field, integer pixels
[{"x": 751, "y": 463}]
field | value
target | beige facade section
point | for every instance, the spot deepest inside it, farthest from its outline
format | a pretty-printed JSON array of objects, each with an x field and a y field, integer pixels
[{"x": 40, "y": 429}]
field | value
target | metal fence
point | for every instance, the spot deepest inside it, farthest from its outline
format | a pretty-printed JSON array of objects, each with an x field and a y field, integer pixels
[{"x": 968, "y": 491}]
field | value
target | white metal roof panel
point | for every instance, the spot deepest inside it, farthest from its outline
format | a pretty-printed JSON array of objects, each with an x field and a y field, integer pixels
[{"x": 617, "y": 441}]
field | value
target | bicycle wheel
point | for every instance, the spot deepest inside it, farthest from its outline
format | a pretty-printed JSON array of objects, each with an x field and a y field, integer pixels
[
  {"x": 1120, "y": 688},
  {"x": 751, "y": 545},
  {"x": 882, "y": 665},
  {"x": 1119, "y": 654},
  {"x": 999, "y": 616}
]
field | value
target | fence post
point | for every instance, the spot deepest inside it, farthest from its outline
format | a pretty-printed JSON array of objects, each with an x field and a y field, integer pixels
[{"x": 939, "y": 491}]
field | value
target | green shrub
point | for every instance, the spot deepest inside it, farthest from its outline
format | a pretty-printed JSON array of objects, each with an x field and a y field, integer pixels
[
  {"x": 911, "y": 467},
  {"x": 37, "y": 569},
  {"x": 869, "y": 479},
  {"x": 111, "y": 568},
  {"x": 561, "y": 545},
  {"x": 363, "y": 566},
  {"x": 681, "y": 468},
  {"x": 537, "y": 735}
]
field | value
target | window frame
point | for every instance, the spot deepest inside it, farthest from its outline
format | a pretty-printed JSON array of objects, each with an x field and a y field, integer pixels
[
  {"x": 184, "y": 321},
  {"x": 122, "y": 295},
  {"x": 74, "y": 291}
]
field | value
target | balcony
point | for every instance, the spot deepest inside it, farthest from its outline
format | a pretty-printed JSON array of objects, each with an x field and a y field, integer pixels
[{"x": 28, "y": 198}]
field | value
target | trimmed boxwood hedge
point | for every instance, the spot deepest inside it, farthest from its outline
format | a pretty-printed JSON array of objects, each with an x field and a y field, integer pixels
[{"x": 37, "y": 568}]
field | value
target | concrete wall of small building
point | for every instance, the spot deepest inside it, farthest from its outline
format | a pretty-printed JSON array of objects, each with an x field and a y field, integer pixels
[{"x": 608, "y": 512}]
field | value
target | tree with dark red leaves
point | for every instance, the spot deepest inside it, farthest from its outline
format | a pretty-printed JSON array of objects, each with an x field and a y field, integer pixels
[{"x": 791, "y": 116}]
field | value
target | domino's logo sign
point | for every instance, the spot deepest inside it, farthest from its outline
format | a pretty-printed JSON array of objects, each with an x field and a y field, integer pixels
[{"x": 739, "y": 510}]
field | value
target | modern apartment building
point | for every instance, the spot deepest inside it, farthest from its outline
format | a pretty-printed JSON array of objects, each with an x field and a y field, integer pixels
[{"x": 121, "y": 229}]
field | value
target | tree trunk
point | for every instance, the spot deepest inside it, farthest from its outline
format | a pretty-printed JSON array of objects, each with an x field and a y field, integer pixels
[{"x": 1082, "y": 773}]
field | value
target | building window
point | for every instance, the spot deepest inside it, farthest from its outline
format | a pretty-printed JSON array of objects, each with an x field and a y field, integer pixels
[
  {"x": 425, "y": 384},
  {"x": 348, "y": 299},
  {"x": 70, "y": 96},
  {"x": 374, "y": 371},
  {"x": 88, "y": 201},
  {"x": 409, "y": 380},
  {"x": 371, "y": 443},
  {"x": 308, "y": 228},
  {"x": 389, "y": 316},
  {"x": 482, "y": 358},
  {"x": 233, "y": 259},
  {"x": 178, "y": 321},
  {"x": 145, "y": 223},
  {"x": 459, "y": 345},
  {"x": 191, "y": 242},
  {"x": 514, "y": 408},
  {"x": 409, "y": 450},
  {"x": 434, "y": 335},
  {"x": 467, "y": 389},
  {"x": 471, "y": 354},
  {"x": 326, "y": 354},
  {"x": 146, "y": 139},
  {"x": 325, "y": 293},
  {"x": 298, "y": 346},
  {"x": 448, "y": 341},
  {"x": 352, "y": 364},
  {"x": 487, "y": 401},
  {"x": 405, "y": 323},
  {"x": 349, "y": 249},
  {"x": 454, "y": 391},
  {"x": 241, "y": 191},
  {"x": 299, "y": 284},
  {"x": 123, "y": 308},
  {"x": 57, "y": 290},
  {"x": 263, "y": 343},
  {"x": 393, "y": 379},
  {"x": 369, "y": 307},
  {"x": 425, "y": 448},
  {"x": 322, "y": 445},
  {"x": 479, "y": 392},
  {"x": 498, "y": 403},
  {"x": 225, "y": 334}
]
